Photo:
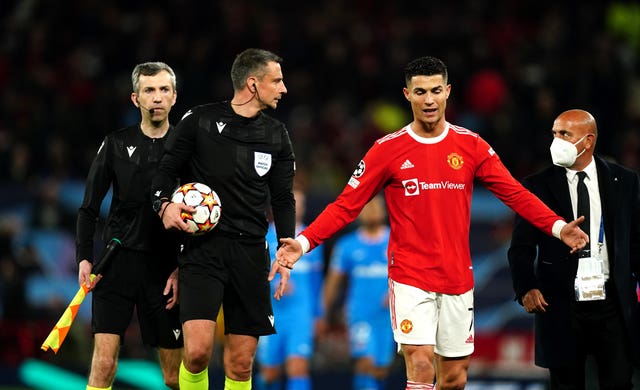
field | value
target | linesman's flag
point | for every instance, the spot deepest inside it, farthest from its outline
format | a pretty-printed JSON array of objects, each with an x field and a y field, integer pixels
[{"x": 61, "y": 329}]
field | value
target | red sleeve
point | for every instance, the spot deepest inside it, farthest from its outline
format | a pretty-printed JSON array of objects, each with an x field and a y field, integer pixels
[
  {"x": 365, "y": 182},
  {"x": 496, "y": 178}
]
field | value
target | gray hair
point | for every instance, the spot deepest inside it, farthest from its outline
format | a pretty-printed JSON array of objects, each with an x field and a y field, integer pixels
[
  {"x": 151, "y": 69},
  {"x": 251, "y": 62}
]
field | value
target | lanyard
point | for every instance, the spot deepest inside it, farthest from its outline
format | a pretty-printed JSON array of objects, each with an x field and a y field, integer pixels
[{"x": 601, "y": 235}]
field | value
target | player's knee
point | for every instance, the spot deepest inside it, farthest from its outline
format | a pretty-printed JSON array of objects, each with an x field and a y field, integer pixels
[
  {"x": 270, "y": 374},
  {"x": 452, "y": 382},
  {"x": 297, "y": 366},
  {"x": 197, "y": 359},
  {"x": 105, "y": 364},
  {"x": 103, "y": 370},
  {"x": 420, "y": 365},
  {"x": 240, "y": 366}
]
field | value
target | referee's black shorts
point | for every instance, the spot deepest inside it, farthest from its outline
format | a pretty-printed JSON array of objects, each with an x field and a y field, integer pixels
[
  {"x": 136, "y": 279},
  {"x": 218, "y": 268}
]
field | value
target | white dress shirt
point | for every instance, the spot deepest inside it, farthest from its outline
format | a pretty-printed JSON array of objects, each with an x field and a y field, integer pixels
[{"x": 595, "y": 207}]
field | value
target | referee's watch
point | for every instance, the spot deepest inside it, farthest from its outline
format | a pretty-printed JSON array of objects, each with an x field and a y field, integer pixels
[{"x": 157, "y": 204}]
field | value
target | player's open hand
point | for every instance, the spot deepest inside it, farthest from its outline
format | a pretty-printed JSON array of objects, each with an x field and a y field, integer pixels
[
  {"x": 573, "y": 236},
  {"x": 285, "y": 274},
  {"x": 171, "y": 216},
  {"x": 289, "y": 252}
]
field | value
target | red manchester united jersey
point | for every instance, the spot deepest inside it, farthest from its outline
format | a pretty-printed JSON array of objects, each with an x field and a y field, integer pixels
[{"x": 428, "y": 184}]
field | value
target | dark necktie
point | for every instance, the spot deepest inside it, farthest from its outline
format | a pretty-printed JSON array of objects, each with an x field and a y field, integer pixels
[{"x": 583, "y": 203}]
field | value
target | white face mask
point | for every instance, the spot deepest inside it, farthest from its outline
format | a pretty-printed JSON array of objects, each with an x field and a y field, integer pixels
[{"x": 564, "y": 153}]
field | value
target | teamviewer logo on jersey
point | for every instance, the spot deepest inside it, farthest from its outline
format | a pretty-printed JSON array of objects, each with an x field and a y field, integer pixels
[{"x": 411, "y": 187}]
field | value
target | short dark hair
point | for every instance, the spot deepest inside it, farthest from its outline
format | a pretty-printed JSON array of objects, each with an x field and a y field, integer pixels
[
  {"x": 151, "y": 69},
  {"x": 251, "y": 62},
  {"x": 425, "y": 66}
]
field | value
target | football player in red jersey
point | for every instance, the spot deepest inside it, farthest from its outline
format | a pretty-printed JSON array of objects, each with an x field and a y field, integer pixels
[{"x": 427, "y": 170}]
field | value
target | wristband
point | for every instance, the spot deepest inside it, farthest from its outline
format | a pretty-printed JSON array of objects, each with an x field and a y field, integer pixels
[{"x": 164, "y": 209}]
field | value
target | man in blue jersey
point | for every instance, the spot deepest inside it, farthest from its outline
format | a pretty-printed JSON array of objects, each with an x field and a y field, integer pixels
[
  {"x": 295, "y": 315},
  {"x": 361, "y": 257}
]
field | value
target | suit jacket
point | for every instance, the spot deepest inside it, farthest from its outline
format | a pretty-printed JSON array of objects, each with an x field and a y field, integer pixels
[{"x": 544, "y": 262}]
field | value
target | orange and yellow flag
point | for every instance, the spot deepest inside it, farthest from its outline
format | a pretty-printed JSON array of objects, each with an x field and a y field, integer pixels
[{"x": 60, "y": 330}]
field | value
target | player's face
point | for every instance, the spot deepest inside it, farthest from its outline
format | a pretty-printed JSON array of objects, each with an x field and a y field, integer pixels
[
  {"x": 428, "y": 97},
  {"x": 155, "y": 93},
  {"x": 270, "y": 87}
]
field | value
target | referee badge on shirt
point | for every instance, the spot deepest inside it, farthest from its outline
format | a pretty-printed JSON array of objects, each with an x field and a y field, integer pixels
[{"x": 262, "y": 163}]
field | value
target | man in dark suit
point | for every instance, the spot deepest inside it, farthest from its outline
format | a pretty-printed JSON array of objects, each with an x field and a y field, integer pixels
[{"x": 575, "y": 315}]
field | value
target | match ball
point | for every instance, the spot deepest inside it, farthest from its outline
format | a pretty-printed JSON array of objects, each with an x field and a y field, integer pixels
[{"x": 206, "y": 202}]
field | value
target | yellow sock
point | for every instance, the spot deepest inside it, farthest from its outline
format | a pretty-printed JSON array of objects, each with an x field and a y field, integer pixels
[
  {"x": 190, "y": 381},
  {"x": 230, "y": 384},
  {"x": 98, "y": 388}
]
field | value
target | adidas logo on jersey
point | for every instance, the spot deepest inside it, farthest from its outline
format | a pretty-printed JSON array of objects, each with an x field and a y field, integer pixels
[
  {"x": 469, "y": 339},
  {"x": 406, "y": 165}
]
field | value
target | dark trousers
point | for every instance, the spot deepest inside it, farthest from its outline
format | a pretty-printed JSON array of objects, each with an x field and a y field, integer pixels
[{"x": 600, "y": 332}]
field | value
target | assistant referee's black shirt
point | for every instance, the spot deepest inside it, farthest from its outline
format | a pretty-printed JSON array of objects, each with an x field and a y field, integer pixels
[
  {"x": 128, "y": 160},
  {"x": 248, "y": 162}
]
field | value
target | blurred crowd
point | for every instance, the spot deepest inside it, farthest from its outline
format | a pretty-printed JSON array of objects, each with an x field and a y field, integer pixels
[{"x": 65, "y": 83}]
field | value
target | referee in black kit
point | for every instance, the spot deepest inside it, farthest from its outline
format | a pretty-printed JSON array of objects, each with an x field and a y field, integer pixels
[{"x": 245, "y": 156}]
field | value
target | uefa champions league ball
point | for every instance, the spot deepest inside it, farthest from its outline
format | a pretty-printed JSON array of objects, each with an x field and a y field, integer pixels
[{"x": 204, "y": 200}]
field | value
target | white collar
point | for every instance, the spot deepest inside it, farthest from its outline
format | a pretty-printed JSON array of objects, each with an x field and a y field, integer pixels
[
  {"x": 427, "y": 140},
  {"x": 590, "y": 170}
]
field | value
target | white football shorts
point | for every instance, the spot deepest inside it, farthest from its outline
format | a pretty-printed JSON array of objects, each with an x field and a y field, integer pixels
[{"x": 421, "y": 317}]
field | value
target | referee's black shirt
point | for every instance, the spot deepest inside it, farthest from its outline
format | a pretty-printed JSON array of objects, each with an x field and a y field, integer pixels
[
  {"x": 128, "y": 159},
  {"x": 248, "y": 162}
]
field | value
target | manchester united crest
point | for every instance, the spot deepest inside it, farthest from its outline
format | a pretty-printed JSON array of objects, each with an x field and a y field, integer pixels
[
  {"x": 406, "y": 326},
  {"x": 455, "y": 160}
]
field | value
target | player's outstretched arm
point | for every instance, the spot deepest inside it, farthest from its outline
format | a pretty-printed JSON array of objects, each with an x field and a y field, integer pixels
[
  {"x": 573, "y": 236},
  {"x": 289, "y": 252}
]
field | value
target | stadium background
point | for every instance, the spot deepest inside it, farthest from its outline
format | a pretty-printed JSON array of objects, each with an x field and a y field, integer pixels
[{"x": 65, "y": 82}]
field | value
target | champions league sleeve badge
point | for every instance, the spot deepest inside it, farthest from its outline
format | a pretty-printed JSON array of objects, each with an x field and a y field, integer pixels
[{"x": 359, "y": 171}]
